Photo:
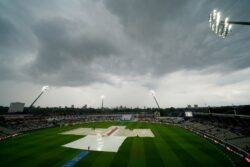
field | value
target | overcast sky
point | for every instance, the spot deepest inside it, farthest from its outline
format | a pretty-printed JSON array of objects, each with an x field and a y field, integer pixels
[{"x": 123, "y": 49}]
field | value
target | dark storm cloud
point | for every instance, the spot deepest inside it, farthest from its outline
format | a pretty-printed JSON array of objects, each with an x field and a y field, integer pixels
[
  {"x": 75, "y": 44},
  {"x": 7, "y": 32},
  {"x": 67, "y": 55},
  {"x": 57, "y": 46},
  {"x": 178, "y": 34},
  {"x": 13, "y": 44},
  {"x": 144, "y": 19},
  {"x": 183, "y": 40}
]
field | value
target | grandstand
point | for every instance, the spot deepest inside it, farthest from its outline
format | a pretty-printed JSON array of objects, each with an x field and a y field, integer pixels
[
  {"x": 6, "y": 133},
  {"x": 233, "y": 130}
]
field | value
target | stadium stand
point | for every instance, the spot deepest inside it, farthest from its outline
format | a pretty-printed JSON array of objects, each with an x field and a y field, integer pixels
[
  {"x": 6, "y": 133},
  {"x": 232, "y": 130}
]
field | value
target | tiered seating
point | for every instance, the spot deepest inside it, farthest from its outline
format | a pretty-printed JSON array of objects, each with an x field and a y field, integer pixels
[
  {"x": 232, "y": 130},
  {"x": 5, "y": 133},
  {"x": 243, "y": 142}
]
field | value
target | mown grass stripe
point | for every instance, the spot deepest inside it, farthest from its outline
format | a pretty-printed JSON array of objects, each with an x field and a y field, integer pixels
[
  {"x": 186, "y": 158},
  {"x": 76, "y": 159},
  {"x": 168, "y": 156},
  {"x": 137, "y": 154},
  {"x": 103, "y": 160},
  {"x": 152, "y": 155},
  {"x": 199, "y": 148},
  {"x": 121, "y": 158},
  {"x": 88, "y": 160}
]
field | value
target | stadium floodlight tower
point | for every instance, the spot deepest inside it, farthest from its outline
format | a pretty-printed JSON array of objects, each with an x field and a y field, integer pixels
[
  {"x": 102, "y": 98},
  {"x": 152, "y": 92},
  {"x": 44, "y": 89},
  {"x": 218, "y": 26},
  {"x": 222, "y": 27}
]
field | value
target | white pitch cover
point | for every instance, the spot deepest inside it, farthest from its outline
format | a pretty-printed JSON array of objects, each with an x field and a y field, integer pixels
[{"x": 98, "y": 143}]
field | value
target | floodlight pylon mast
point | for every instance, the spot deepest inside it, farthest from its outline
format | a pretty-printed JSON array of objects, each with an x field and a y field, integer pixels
[
  {"x": 156, "y": 102},
  {"x": 102, "y": 103},
  {"x": 36, "y": 100},
  {"x": 239, "y": 23},
  {"x": 44, "y": 88}
]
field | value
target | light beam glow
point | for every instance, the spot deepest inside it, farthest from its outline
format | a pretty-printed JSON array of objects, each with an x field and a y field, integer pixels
[
  {"x": 45, "y": 88},
  {"x": 219, "y": 25},
  {"x": 152, "y": 92}
]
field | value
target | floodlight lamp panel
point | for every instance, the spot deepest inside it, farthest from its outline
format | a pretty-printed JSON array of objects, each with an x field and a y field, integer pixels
[
  {"x": 214, "y": 13},
  {"x": 45, "y": 88},
  {"x": 210, "y": 17},
  {"x": 218, "y": 18},
  {"x": 152, "y": 92},
  {"x": 226, "y": 20},
  {"x": 219, "y": 25}
]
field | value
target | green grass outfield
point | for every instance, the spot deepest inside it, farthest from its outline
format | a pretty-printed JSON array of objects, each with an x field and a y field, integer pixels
[{"x": 171, "y": 146}]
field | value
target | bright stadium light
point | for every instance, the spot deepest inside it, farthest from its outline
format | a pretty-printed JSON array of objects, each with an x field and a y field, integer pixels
[
  {"x": 222, "y": 27},
  {"x": 44, "y": 89},
  {"x": 219, "y": 26},
  {"x": 152, "y": 92}
]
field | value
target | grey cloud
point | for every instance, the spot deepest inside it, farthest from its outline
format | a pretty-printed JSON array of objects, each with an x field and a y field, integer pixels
[
  {"x": 11, "y": 37},
  {"x": 7, "y": 32},
  {"x": 182, "y": 39},
  {"x": 144, "y": 19},
  {"x": 67, "y": 55},
  {"x": 128, "y": 38}
]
